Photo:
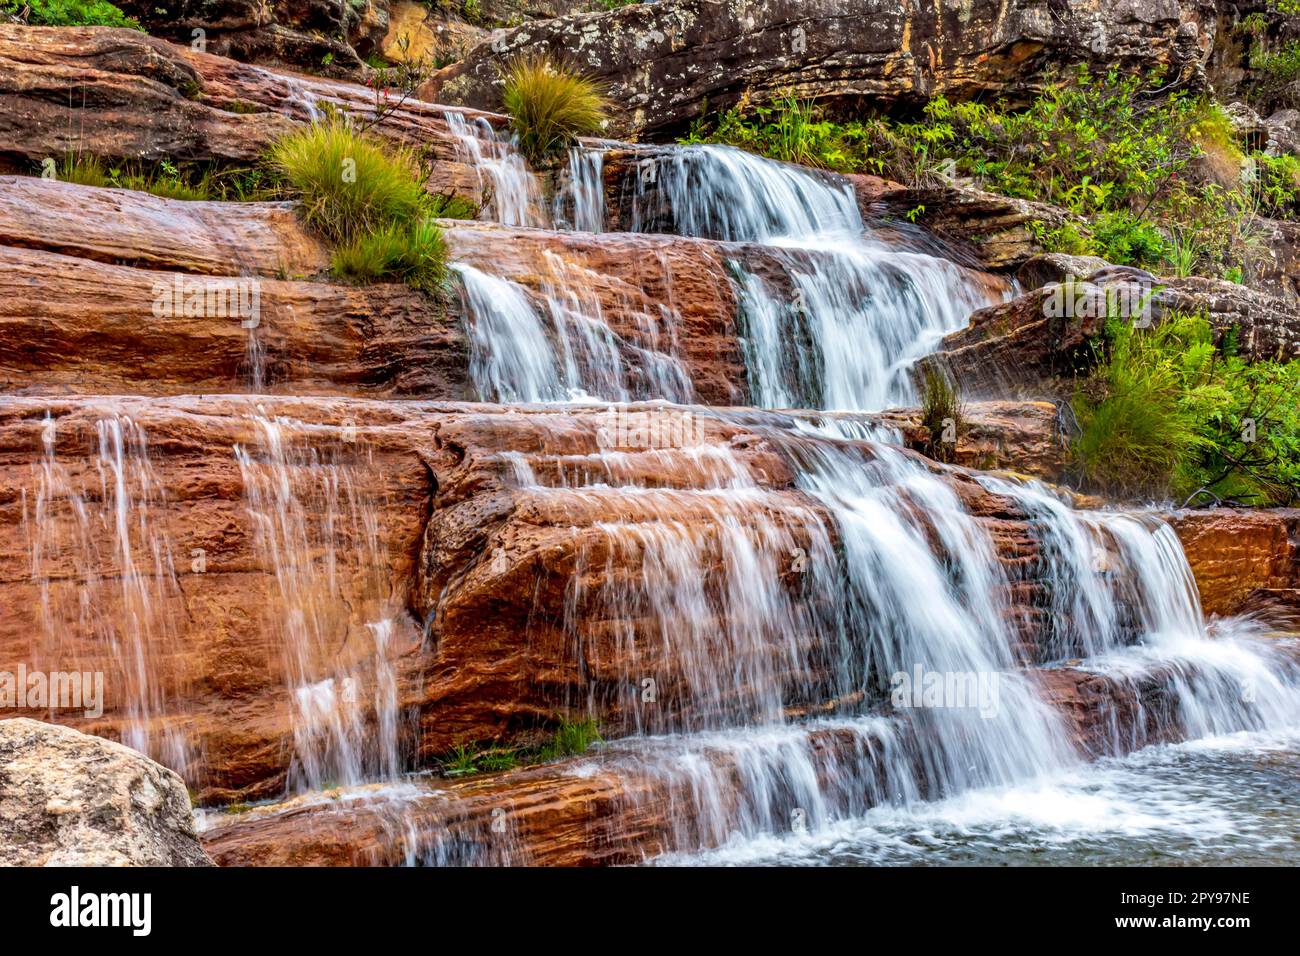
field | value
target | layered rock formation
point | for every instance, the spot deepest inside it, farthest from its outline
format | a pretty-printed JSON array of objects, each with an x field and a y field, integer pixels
[
  {"x": 616, "y": 806},
  {"x": 1034, "y": 344},
  {"x": 663, "y": 61},
  {"x": 68, "y": 799},
  {"x": 135, "y": 97}
]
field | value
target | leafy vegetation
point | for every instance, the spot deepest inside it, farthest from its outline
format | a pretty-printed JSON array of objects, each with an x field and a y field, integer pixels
[
  {"x": 1158, "y": 181},
  {"x": 1170, "y": 411},
  {"x": 66, "y": 13},
  {"x": 550, "y": 106},
  {"x": 368, "y": 199}
]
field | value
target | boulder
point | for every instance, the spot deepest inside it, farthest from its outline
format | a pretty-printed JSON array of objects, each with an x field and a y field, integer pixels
[{"x": 70, "y": 799}]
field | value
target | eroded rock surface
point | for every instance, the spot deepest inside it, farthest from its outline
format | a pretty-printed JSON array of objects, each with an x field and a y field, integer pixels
[{"x": 663, "y": 61}]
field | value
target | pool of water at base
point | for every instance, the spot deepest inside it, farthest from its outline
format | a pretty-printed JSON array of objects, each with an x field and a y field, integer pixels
[{"x": 1226, "y": 801}]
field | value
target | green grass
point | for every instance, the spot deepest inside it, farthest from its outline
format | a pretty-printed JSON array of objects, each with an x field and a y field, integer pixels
[
  {"x": 171, "y": 181},
  {"x": 571, "y": 738},
  {"x": 415, "y": 254},
  {"x": 550, "y": 106},
  {"x": 367, "y": 198},
  {"x": 67, "y": 13},
  {"x": 348, "y": 183},
  {"x": 468, "y": 759},
  {"x": 83, "y": 170},
  {"x": 1174, "y": 409}
]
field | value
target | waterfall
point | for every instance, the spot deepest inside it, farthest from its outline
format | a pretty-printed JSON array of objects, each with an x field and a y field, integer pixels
[
  {"x": 743, "y": 608},
  {"x": 556, "y": 344},
  {"x": 107, "y": 583},
  {"x": 580, "y": 202},
  {"x": 853, "y": 313},
  {"x": 510, "y": 190},
  {"x": 330, "y": 606}
]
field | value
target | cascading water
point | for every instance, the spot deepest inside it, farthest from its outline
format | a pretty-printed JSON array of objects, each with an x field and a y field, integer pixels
[
  {"x": 331, "y": 608},
  {"x": 561, "y": 347},
  {"x": 513, "y": 197},
  {"x": 855, "y": 313},
  {"x": 107, "y": 609},
  {"x": 828, "y": 663},
  {"x": 895, "y": 578}
]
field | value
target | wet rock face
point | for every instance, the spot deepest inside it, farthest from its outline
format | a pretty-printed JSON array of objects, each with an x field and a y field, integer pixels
[
  {"x": 1243, "y": 560},
  {"x": 421, "y": 512},
  {"x": 664, "y": 61},
  {"x": 69, "y": 799}
]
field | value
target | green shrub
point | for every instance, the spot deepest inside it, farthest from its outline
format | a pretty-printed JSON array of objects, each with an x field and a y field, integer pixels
[
  {"x": 67, "y": 13},
  {"x": 349, "y": 184},
  {"x": 1170, "y": 411},
  {"x": 550, "y": 106},
  {"x": 413, "y": 253},
  {"x": 1123, "y": 238}
]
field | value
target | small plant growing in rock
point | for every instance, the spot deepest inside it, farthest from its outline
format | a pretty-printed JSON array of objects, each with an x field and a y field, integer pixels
[
  {"x": 550, "y": 106},
  {"x": 571, "y": 738},
  {"x": 941, "y": 414}
]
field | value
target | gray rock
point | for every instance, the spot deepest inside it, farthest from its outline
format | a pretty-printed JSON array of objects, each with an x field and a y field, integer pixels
[
  {"x": 69, "y": 799},
  {"x": 665, "y": 61}
]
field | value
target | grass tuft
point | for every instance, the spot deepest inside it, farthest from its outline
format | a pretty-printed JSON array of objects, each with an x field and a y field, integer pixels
[
  {"x": 349, "y": 183},
  {"x": 941, "y": 414},
  {"x": 550, "y": 105},
  {"x": 415, "y": 254}
]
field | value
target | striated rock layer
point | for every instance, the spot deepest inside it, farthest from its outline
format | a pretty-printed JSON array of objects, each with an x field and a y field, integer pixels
[{"x": 450, "y": 569}]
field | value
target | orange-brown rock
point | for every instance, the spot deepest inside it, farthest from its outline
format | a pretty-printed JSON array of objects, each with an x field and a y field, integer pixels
[
  {"x": 622, "y": 806},
  {"x": 216, "y": 526},
  {"x": 121, "y": 95},
  {"x": 77, "y": 325},
  {"x": 1240, "y": 555},
  {"x": 662, "y": 293}
]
